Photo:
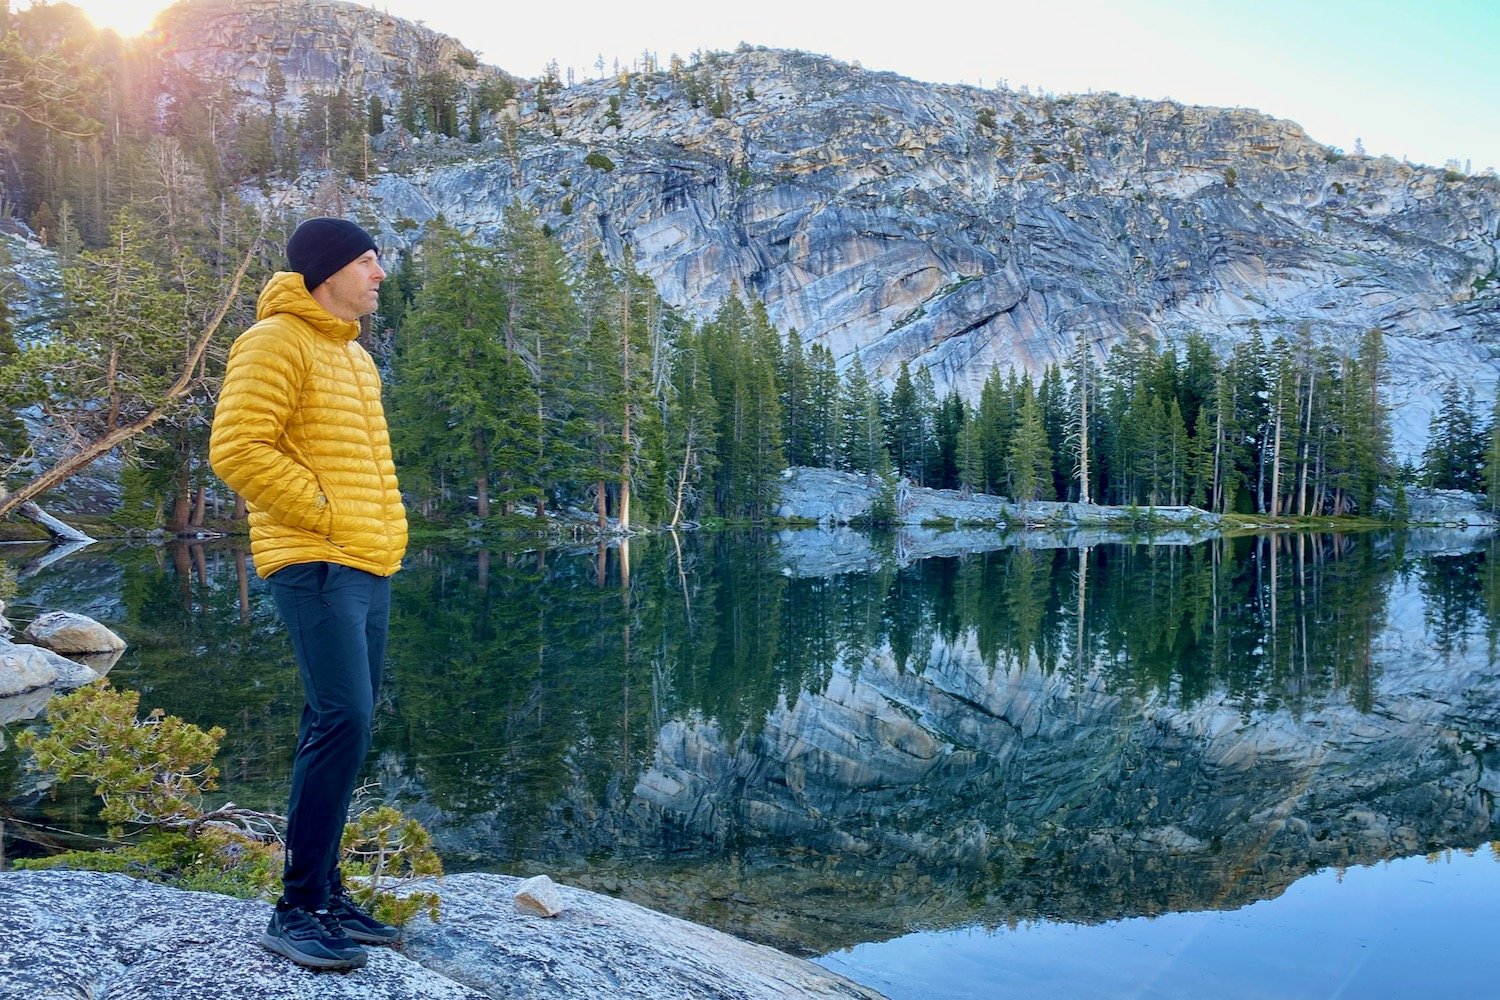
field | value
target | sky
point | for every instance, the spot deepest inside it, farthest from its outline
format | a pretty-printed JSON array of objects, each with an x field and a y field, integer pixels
[{"x": 1410, "y": 79}]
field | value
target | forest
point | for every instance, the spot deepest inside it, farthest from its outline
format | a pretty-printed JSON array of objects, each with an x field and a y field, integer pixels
[{"x": 520, "y": 379}]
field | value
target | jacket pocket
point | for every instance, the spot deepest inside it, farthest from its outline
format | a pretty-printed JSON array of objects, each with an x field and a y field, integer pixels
[
  {"x": 328, "y": 514},
  {"x": 336, "y": 526}
]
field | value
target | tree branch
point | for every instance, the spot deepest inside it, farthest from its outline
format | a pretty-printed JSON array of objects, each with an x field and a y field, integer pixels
[{"x": 71, "y": 465}]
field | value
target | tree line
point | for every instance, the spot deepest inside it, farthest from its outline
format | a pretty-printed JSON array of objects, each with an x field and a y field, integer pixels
[{"x": 522, "y": 379}]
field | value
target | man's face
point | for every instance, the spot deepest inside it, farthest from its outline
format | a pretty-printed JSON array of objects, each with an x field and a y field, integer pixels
[{"x": 354, "y": 289}]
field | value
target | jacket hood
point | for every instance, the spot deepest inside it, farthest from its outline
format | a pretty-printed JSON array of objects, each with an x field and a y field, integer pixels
[{"x": 286, "y": 294}]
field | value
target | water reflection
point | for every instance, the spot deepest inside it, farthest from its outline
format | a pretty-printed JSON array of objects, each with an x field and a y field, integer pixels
[{"x": 814, "y": 756}]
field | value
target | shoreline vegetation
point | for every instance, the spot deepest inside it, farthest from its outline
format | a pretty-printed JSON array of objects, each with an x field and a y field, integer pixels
[{"x": 820, "y": 498}]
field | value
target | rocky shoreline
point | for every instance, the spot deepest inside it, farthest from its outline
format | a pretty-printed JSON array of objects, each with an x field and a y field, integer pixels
[{"x": 77, "y": 934}]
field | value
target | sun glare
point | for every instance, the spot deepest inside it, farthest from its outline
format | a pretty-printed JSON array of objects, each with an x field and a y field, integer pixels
[{"x": 127, "y": 18}]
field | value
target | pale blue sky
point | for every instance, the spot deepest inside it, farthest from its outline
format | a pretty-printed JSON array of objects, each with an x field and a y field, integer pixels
[{"x": 1412, "y": 79}]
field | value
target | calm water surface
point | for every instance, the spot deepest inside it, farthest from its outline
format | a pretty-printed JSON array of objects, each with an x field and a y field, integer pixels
[{"x": 1259, "y": 767}]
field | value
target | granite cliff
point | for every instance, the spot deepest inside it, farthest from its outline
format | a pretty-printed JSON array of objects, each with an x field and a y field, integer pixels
[{"x": 950, "y": 227}]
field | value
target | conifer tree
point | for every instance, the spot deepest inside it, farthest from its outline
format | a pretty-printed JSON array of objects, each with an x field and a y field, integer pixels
[
  {"x": 463, "y": 407},
  {"x": 928, "y": 458},
  {"x": 1053, "y": 402},
  {"x": 1030, "y": 460},
  {"x": 1492, "y": 458},
  {"x": 1454, "y": 459},
  {"x": 741, "y": 348},
  {"x": 824, "y": 419},
  {"x": 971, "y": 475},
  {"x": 994, "y": 424},
  {"x": 907, "y": 428},
  {"x": 794, "y": 377},
  {"x": 864, "y": 432},
  {"x": 944, "y": 471},
  {"x": 541, "y": 326}
]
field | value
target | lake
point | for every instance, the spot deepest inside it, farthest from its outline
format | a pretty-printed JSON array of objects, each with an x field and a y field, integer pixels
[{"x": 1260, "y": 766}]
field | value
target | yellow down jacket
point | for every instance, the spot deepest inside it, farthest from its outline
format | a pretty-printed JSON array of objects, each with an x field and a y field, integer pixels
[{"x": 299, "y": 432}]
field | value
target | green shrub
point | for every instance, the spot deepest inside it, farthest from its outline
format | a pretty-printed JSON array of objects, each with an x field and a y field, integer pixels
[
  {"x": 599, "y": 161},
  {"x": 151, "y": 774}
]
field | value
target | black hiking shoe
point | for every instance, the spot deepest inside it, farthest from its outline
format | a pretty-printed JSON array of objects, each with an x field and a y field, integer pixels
[
  {"x": 358, "y": 924},
  {"x": 312, "y": 938}
]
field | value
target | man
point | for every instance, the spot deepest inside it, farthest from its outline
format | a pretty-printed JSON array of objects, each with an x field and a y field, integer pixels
[{"x": 300, "y": 434}]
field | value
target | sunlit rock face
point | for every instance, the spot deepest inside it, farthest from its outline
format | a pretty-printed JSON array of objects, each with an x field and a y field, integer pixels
[
  {"x": 322, "y": 46},
  {"x": 948, "y": 227}
]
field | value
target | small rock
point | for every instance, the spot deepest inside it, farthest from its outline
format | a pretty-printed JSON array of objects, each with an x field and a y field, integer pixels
[
  {"x": 538, "y": 897},
  {"x": 67, "y": 633}
]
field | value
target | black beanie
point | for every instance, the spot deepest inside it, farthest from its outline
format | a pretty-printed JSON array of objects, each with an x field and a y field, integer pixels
[{"x": 319, "y": 247}]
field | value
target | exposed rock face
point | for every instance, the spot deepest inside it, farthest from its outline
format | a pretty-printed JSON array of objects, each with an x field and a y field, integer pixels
[
  {"x": 322, "y": 46},
  {"x": 830, "y": 497},
  {"x": 949, "y": 227},
  {"x": 91, "y": 934}
]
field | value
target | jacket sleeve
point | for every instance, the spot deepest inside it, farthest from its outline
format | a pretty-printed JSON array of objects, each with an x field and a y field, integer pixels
[{"x": 246, "y": 446}]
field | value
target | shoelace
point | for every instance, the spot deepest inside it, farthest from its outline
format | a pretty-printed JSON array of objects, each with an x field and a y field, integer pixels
[{"x": 330, "y": 923}]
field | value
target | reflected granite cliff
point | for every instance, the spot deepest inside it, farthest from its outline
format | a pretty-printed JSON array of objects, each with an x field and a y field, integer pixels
[
  {"x": 1073, "y": 734},
  {"x": 710, "y": 725}
]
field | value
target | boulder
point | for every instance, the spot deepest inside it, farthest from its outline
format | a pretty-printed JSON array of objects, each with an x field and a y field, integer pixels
[
  {"x": 68, "y": 633},
  {"x": 65, "y": 934},
  {"x": 26, "y": 668}
]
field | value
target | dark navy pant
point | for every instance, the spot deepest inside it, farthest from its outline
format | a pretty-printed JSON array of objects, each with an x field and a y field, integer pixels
[{"x": 337, "y": 618}]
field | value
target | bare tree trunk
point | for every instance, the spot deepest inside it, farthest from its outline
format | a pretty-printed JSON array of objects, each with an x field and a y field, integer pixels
[
  {"x": 1312, "y": 381},
  {"x": 625, "y": 417},
  {"x": 1276, "y": 466},
  {"x": 57, "y": 529},
  {"x": 186, "y": 379}
]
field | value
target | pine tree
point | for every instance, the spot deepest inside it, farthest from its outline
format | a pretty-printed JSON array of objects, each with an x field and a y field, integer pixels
[
  {"x": 463, "y": 407},
  {"x": 794, "y": 377},
  {"x": 1455, "y": 450},
  {"x": 742, "y": 350},
  {"x": 944, "y": 472},
  {"x": 928, "y": 457},
  {"x": 863, "y": 437},
  {"x": 995, "y": 421},
  {"x": 542, "y": 327},
  {"x": 1030, "y": 460},
  {"x": 1492, "y": 458},
  {"x": 906, "y": 431},
  {"x": 824, "y": 420},
  {"x": 1052, "y": 399}
]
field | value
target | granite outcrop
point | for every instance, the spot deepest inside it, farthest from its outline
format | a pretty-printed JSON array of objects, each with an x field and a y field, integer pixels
[
  {"x": 952, "y": 228},
  {"x": 76, "y": 933}
]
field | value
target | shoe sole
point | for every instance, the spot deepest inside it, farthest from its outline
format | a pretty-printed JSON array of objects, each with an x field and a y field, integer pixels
[
  {"x": 281, "y": 947},
  {"x": 364, "y": 937}
]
